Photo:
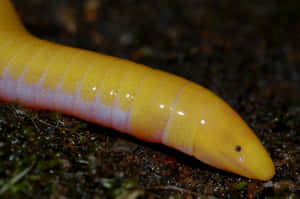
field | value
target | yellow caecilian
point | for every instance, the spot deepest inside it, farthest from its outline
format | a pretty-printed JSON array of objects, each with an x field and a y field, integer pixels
[{"x": 149, "y": 104}]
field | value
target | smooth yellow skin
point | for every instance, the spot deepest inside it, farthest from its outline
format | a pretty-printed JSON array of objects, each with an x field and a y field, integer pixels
[{"x": 162, "y": 107}]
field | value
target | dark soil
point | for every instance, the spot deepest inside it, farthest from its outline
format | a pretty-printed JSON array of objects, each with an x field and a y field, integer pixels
[{"x": 247, "y": 53}]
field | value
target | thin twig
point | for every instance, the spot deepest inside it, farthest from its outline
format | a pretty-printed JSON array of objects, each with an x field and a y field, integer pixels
[
  {"x": 15, "y": 179},
  {"x": 171, "y": 187}
]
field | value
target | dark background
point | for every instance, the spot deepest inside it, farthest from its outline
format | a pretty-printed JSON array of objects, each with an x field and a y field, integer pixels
[{"x": 246, "y": 52}]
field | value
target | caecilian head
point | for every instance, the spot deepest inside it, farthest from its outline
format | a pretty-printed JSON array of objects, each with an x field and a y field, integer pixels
[
  {"x": 204, "y": 126},
  {"x": 226, "y": 142}
]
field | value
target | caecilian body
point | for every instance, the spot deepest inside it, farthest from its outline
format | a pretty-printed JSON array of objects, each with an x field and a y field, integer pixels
[{"x": 149, "y": 104}]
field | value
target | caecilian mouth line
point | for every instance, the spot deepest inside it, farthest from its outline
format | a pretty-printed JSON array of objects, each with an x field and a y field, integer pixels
[{"x": 239, "y": 166}]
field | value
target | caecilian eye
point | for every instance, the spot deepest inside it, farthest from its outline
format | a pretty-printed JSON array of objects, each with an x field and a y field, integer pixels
[{"x": 238, "y": 148}]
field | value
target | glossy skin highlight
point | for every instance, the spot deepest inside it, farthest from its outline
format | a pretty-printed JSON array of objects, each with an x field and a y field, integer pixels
[{"x": 149, "y": 104}]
